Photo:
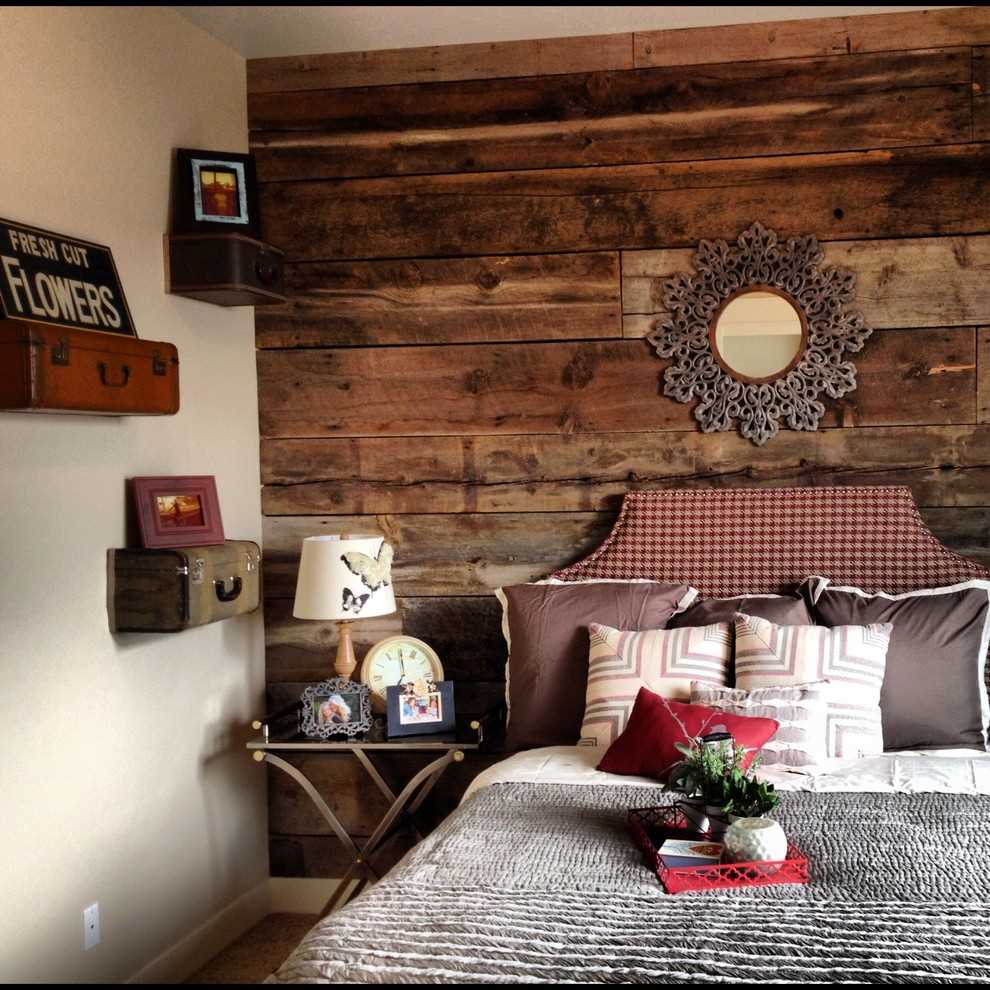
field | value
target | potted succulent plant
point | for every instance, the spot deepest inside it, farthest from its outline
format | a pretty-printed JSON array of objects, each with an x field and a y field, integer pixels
[
  {"x": 704, "y": 778},
  {"x": 748, "y": 797},
  {"x": 716, "y": 788}
]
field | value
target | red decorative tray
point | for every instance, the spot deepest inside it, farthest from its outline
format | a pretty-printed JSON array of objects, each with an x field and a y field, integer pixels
[{"x": 651, "y": 826}]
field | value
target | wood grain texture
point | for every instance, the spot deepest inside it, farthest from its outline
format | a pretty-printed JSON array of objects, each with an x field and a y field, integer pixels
[
  {"x": 981, "y": 94},
  {"x": 905, "y": 192},
  {"x": 466, "y": 227},
  {"x": 909, "y": 282},
  {"x": 445, "y": 555},
  {"x": 814, "y": 36},
  {"x": 983, "y": 375},
  {"x": 440, "y": 62},
  {"x": 466, "y": 632},
  {"x": 469, "y": 554},
  {"x": 446, "y": 300},
  {"x": 790, "y": 106},
  {"x": 906, "y": 377},
  {"x": 943, "y": 465}
]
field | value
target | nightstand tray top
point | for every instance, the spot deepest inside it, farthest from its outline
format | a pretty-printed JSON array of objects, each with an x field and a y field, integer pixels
[{"x": 301, "y": 743}]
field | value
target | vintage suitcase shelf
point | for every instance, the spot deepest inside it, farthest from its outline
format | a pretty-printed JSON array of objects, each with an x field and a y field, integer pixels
[
  {"x": 46, "y": 368},
  {"x": 176, "y": 589},
  {"x": 225, "y": 269}
]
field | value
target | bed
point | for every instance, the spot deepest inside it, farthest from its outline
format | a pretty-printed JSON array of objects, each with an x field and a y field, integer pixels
[{"x": 534, "y": 879}]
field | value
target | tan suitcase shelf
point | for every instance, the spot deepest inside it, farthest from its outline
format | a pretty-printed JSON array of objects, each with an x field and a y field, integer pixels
[{"x": 175, "y": 589}]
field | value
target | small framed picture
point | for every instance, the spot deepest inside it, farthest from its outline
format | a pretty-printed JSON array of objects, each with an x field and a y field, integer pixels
[
  {"x": 337, "y": 707},
  {"x": 215, "y": 190},
  {"x": 178, "y": 511},
  {"x": 421, "y": 708}
]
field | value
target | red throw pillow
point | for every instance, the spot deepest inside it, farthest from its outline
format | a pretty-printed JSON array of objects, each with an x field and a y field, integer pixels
[{"x": 647, "y": 746}]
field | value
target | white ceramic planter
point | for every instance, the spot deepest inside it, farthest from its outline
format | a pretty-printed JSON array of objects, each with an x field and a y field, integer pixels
[{"x": 751, "y": 839}]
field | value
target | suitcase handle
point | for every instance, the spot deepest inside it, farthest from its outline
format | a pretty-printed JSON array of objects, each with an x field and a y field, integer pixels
[
  {"x": 228, "y": 596},
  {"x": 105, "y": 378}
]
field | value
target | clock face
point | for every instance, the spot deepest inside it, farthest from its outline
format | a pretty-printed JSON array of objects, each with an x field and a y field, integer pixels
[{"x": 398, "y": 660}]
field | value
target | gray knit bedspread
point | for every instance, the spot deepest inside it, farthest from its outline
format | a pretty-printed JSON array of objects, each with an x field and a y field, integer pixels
[{"x": 540, "y": 883}]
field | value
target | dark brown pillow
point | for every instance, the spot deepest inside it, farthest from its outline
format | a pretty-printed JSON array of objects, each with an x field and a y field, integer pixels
[
  {"x": 933, "y": 690},
  {"x": 781, "y": 610},
  {"x": 547, "y": 629}
]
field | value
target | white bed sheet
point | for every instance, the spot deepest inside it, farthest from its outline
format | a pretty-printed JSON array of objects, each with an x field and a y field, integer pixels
[{"x": 943, "y": 771}]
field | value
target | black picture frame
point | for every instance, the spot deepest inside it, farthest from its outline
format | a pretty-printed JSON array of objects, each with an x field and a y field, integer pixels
[
  {"x": 400, "y": 723},
  {"x": 215, "y": 191}
]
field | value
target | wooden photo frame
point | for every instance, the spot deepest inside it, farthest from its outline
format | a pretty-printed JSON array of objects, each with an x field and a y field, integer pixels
[
  {"x": 412, "y": 715},
  {"x": 215, "y": 191},
  {"x": 182, "y": 511}
]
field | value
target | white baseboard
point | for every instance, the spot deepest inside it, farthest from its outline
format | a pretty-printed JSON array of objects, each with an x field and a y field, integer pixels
[
  {"x": 301, "y": 895},
  {"x": 213, "y": 936}
]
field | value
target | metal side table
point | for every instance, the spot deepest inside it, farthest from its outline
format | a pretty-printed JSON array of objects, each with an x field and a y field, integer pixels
[{"x": 403, "y": 805}]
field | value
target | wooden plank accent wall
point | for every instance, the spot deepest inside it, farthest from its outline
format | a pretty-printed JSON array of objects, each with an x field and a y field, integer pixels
[{"x": 477, "y": 238}]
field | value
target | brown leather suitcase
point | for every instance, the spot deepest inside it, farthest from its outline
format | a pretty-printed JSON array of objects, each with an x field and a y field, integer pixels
[
  {"x": 225, "y": 269},
  {"x": 175, "y": 589},
  {"x": 47, "y": 368}
]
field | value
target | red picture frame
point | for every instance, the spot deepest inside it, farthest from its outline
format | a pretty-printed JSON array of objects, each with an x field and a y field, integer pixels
[{"x": 179, "y": 511}]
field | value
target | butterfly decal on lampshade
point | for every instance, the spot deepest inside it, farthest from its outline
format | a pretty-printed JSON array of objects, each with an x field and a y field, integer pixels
[
  {"x": 353, "y": 603},
  {"x": 374, "y": 572}
]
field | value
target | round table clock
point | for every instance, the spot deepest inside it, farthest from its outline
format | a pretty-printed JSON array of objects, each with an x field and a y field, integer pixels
[{"x": 398, "y": 660}]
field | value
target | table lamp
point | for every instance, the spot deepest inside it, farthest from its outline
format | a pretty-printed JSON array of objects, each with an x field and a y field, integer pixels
[{"x": 343, "y": 578}]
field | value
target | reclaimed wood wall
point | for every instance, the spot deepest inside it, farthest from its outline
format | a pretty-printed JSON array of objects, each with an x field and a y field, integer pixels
[{"x": 475, "y": 238}]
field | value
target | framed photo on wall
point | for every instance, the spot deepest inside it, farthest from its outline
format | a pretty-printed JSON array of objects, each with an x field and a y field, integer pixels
[
  {"x": 181, "y": 511},
  {"x": 215, "y": 191},
  {"x": 423, "y": 709}
]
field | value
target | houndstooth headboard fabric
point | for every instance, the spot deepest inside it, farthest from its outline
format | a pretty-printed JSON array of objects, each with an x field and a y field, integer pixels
[{"x": 767, "y": 540}]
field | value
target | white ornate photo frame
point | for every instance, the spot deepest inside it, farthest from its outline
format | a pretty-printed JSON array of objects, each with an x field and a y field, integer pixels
[
  {"x": 822, "y": 295},
  {"x": 354, "y": 696}
]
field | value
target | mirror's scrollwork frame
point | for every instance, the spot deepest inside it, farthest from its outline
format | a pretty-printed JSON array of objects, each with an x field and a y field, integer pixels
[{"x": 821, "y": 296}]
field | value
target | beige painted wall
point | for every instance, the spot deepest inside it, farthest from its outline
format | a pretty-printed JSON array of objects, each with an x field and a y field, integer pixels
[{"x": 123, "y": 777}]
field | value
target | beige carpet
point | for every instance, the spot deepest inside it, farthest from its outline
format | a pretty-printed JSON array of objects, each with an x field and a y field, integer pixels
[{"x": 257, "y": 953}]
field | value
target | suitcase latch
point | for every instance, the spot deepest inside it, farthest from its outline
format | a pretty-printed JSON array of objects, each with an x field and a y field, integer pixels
[
  {"x": 60, "y": 352},
  {"x": 158, "y": 365},
  {"x": 196, "y": 571}
]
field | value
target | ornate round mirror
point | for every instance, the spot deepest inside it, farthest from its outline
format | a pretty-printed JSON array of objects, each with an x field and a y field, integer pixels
[
  {"x": 750, "y": 351},
  {"x": 758, "y": 334}
]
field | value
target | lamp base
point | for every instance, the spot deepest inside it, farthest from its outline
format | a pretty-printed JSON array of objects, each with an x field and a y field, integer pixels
[{"x": 345, "y": 661}]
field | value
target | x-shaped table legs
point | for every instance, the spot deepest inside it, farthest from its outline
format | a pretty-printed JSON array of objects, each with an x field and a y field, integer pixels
[{"x": 413, "y": 795}]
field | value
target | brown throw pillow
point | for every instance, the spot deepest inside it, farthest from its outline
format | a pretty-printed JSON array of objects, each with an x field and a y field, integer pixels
[
  {"x": 546, "y": 627},
  {"x": 933, "y": 691},
  {"x": 782, "y": 610}
]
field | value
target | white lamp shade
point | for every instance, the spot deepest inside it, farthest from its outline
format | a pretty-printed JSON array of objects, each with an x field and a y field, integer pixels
[{"x": 344, "y": 578}]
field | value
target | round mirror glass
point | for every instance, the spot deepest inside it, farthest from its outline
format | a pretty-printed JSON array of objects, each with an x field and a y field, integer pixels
[{"x": 758, "y": 335}]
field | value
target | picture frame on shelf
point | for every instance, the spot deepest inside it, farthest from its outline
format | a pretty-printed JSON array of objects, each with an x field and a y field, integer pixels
[
  {"x": 178, "y": 511},
  {"x": 336, "y": 707},
  {"x": 415, "y": 710},
  {"x": 215, "y": 191}
]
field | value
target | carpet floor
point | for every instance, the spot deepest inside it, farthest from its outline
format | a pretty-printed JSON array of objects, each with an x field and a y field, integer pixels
[{"x": 258, "y": 952}]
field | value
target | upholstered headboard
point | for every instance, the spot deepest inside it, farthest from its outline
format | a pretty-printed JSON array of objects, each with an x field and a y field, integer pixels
[{"x": 767, "y": 540}]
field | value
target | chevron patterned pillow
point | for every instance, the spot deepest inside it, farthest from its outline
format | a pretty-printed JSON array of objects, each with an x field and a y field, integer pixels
[
  {"x": 666, "y": 661},
  {"x": 851, "y": 658}
]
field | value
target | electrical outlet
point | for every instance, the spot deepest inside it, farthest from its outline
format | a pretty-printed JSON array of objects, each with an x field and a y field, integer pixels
[{"x": 91, "y": 926}]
